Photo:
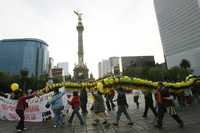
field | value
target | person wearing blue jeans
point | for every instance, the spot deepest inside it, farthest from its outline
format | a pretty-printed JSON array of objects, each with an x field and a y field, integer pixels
[
  {"x": 57, "y": 107},
  {"x": 58, "y": 117},
  {"x": 75, "y": 103},
  {"x": 76, "y": 111},
  {"x": 122, "y": 106}
]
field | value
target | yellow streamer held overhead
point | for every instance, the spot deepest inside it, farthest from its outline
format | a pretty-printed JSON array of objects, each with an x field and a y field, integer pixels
[{"x": 130, "y": 83}]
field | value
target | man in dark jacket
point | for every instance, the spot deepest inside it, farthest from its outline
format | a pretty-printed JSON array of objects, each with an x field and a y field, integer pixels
[
  {"x": 148, "y": 103},
  {"x": 109, "y": 100},
  {"x": 84, "y": 100},
  {"x": 122, "y": 107}
]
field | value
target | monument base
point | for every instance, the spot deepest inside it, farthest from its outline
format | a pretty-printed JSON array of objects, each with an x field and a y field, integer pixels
[{"x": 81, "y": 73}]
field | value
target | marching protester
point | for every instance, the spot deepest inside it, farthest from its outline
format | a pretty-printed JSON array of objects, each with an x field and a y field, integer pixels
[
  {"x": 99, "y": 109},
  {"x": 164, "y": 99},
  {"x": 57, "y": 106},
  {"x": 84, "y": 100},
  {"x": 136, "y": 98},
  {"x": 112, "y": 95},
  {"x": 20, "y": 108},
  {"x": 188, "y": 96},
  {"x": 165, "y": 104},
  {"x": 75, "y": 103},
  {"x": 148, "y": 103},
  {"x": 196, "y": 92},
  {"x": 181, "y": 100},
  {"x": 122, "y": 106},
  {"x": 109, "y": 100}
]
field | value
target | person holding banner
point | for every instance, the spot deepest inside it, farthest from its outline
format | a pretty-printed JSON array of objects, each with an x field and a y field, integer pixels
[
  {"x": 57, "y": 106},
  {"x": 20, "y": 108}
]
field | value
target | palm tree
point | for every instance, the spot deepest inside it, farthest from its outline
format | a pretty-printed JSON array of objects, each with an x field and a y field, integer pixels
[{"x": 185, "y": 64}]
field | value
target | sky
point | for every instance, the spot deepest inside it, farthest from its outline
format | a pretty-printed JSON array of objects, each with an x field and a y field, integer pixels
[{"x": 111, "y": 28}]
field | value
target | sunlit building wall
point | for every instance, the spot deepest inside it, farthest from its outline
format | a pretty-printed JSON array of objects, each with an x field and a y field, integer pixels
[
  {"x": 104, "y": 68},
  {"x": 179, "y": 25}
]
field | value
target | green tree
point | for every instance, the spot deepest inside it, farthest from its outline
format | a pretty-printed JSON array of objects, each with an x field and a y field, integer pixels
[
  {"x": 156, "y": 74},
  {"x": 6, "y": 80},
  {"x": 133, "y": 72},
  {"x": 185, "y": 64},
  {"x": 58, "y": 79},
  {"x": 177, "y": 74},
  {"x": 68, "y": 78}
]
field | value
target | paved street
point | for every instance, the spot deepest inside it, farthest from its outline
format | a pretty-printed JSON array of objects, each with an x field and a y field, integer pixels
[{"x": 190, "y": 115}]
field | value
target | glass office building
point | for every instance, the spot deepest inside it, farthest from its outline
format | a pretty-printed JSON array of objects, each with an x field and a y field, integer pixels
[
  {"x": 179, "y": 25},
  {"x": 20, "y": 54}
]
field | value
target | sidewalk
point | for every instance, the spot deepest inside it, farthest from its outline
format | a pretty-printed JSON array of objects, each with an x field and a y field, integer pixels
[{"x": 191, "y": 117}]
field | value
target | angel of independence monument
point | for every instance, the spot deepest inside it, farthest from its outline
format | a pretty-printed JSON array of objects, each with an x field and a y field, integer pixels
[{"x": 80, "y": 70}]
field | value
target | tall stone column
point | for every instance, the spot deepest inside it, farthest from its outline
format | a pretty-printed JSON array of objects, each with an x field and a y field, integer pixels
[
  {"x": 80, "y": 70},
  {"x": 80, "y": 29}
]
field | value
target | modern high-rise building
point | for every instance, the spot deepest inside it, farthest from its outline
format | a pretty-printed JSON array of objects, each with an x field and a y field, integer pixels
[
  {"x": 51, "y": 63},
  {"x": 24, "y": 54},
  {"x": 100, "y": 70},
  {"x": 179, "y": 25},
  {"x": 137, "y": 61},
  {"x": 114, "y": 63},
  {"x": 64, "y": 66},
  {"x": 104, "y": 68},
  {"x": 57, "y": 72}
]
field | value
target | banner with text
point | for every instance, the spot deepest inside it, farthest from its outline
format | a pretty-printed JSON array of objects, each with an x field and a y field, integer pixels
[{"x": 36, "y": 111}]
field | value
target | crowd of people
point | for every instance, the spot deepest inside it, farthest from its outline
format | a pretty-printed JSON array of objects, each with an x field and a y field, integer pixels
[{"x": 160, "y": 101}]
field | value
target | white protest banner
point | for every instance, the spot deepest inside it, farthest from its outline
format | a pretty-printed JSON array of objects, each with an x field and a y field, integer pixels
[{"x": 36, "y": 111}]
